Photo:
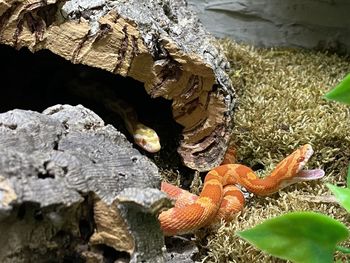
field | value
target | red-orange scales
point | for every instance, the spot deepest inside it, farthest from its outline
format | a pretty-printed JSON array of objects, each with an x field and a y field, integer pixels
[{"x": 221, "y": 199}]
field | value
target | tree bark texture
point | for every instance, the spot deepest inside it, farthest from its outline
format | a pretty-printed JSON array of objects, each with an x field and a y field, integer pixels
[
  {"x": 158, "y": 42},
  {"x": 72, "y": 188}
]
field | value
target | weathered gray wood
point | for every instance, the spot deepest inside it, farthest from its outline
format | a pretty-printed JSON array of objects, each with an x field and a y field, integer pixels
[
  {"x": 53, "y": 168},
  {"x": 158, "y": 42}
]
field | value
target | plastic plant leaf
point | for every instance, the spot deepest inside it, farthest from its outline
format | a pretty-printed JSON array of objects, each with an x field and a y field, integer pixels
[
  {"x": 341, "y": 92},
  {"x": 342, "y": 195},
  {"x": 302, "y": 237}
]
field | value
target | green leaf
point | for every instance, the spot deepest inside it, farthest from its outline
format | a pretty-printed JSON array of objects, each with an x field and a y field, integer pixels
[
  {"x": 342, "y": 249},
  {"x": 341, "y": 92},
  {"x": 342, "y": 195},
  {"x": 298, "y": 236}
]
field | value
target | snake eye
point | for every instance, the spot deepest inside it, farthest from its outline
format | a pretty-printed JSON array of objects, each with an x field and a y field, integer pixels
[{"x": 143, "y": 142}]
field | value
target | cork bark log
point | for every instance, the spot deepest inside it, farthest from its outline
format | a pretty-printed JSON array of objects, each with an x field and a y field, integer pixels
[
  {"x": 74, "y": 190},
  {"x": 157, "y": 42}
]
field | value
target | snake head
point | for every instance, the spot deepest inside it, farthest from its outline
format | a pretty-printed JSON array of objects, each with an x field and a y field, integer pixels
[
  {"x": 295, "y": 163},
  {"x": 146, "y": 138}
]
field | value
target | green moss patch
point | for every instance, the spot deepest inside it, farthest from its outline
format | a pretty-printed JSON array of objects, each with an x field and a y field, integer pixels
[{"x": 280, "y": 106}]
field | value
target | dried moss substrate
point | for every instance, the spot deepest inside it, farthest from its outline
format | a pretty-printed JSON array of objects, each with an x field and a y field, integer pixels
[{"x": 280, "y": 107}]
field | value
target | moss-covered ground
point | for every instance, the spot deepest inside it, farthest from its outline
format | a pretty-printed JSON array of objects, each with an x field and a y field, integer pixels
[{"x": 280, "y": 107}]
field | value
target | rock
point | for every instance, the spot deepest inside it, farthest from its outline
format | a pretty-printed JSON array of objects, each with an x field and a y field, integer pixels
[{"x": 307, "y": 24}]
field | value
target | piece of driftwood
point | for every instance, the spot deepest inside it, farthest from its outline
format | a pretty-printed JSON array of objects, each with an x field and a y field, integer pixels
[
  {"x": 157, "y": 42},
  {"x": 73, "y": 189}
]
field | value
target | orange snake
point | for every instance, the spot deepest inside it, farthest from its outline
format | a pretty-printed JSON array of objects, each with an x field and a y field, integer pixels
[{"x": 220, "y": 197}]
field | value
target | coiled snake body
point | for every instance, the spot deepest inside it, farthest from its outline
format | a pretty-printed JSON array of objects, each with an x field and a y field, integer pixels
[{"x": 220, "y": 197}]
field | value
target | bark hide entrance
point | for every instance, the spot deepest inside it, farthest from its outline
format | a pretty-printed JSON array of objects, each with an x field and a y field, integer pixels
[
  {"x": 158, "y": 43},
  {"x": 47, "y": 79}
]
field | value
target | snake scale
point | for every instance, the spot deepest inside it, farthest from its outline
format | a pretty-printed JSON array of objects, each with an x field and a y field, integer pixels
[{"x": 220, "y": 198}]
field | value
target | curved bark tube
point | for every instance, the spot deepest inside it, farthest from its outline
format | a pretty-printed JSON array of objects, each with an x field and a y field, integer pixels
[{"x": 160, "y": 43}]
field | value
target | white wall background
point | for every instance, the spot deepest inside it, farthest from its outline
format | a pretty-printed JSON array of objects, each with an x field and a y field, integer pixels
[{"x": 295, "y": 23}]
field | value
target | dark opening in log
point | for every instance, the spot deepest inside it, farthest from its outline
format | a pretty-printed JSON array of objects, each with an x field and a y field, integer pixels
[
  {"x": 159, "y": 43},
  {"x": 47, "y": 79}
]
